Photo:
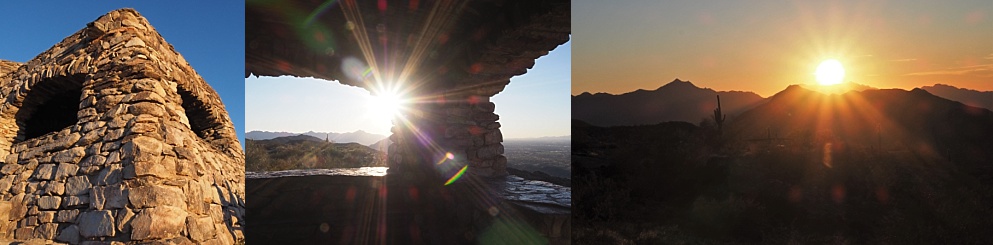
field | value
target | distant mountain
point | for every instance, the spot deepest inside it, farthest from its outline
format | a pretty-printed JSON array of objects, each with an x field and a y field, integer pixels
[
  {"x": 890, "y": 119},
  {"x": 308, "y": 152},
  {"x": 360, "y": 136},
  {"x": 981, "y": 99},
  {"x": 842, "y": 88},
  {"x": 382, "y": 145},
  {"x": 675, "y": 101},
  {"x": 544, "y": 139}
]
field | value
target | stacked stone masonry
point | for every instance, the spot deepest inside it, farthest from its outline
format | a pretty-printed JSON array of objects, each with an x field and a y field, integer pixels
[
  {"x": 145, "y": 153},
  {"x": 460, "y": 54}
]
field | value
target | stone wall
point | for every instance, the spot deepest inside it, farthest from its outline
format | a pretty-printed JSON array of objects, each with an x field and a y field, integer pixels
[
  {"x": 455, "y": 54},
  {"x": 110, "y": 135}
]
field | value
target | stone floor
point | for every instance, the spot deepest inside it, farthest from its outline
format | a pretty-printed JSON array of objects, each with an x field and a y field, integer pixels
[{"x": 347, "y": 198}]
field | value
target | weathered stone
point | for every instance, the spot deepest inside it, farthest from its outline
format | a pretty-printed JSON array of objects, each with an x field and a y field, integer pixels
[
  {"x": 157, "y": 223},
  {"x": 96, "y": 224},
  {"x": 148, "y": 108},
  {"x": 10, "y": 168},
  {"x": 5, "y": 211},
  {"x": 47, "y": 216},
  {"x": 160, "y": 168},
  {"x": 46, "y": 231},
  {"x": 76, "y": 201},
  {"x": 65, "y": 170},
  {"x": 143, "y": 149},
  {"x": 200, "y": 228},
  {"x": 108, "y": 197},
  {"x": 153, "y": 196},
  {"x": 78, "y": 185},
  {"x": 109, "y": 175},
  {"x": 49, "y": 202},
  {"x": 70, "y": 235},
  {"x": 124, "y": 217},
  {"x": 73, "y": 155},
  {"x": 67, "y": 216},
  {"x": 44, "y": 172},
  {"x": 131, "y": 129}
]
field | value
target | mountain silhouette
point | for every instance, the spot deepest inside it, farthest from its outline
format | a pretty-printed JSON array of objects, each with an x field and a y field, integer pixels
[
  {"x": 882, "y": 120},
  {"x": 981, "y": 99},
  {"x": 359, "y": 136},
  {"x": 675, "y": 101}
]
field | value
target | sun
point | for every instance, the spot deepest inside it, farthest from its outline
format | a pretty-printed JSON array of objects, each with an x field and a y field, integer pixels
[
  {"x": 830, "y": 72},
  {"x": 385, "y": 105}
]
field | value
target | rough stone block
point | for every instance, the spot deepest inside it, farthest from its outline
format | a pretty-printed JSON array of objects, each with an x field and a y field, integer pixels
[
  {"x": 49, "y": 202},
  {"x": 68, "y": 215},
  {"x": 46, "y": 231},
  {"x": 76, "y": 201},
  {"x": 153, "y": 196},
  {"x": 44, "y": 172},
  {"x": 72, "y": 155},
  {"x": 200, "y": 228},
  {"x": 110, "y": 175},
  {"x": 65, "y": 170},
  {"x": 78, "y": 185},
  {"x": 158, "y": 223},
  {"x": 70, "y": 235},
  {"x": 5, "y": 207},
  {"x": 96, "y": 224}
]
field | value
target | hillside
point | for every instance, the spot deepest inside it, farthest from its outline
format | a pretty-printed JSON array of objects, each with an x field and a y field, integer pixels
[
  {"x": 880, "y": 120},
  {"x": 864, "y": 167},
  {"x": 675, "y": 101},
  {"x": 981, "y": 99},
  {"x": 359, "y": 136},
  {"x": 308, "y": 152}
]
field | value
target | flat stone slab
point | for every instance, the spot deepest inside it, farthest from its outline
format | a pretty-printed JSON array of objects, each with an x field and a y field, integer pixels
[
  {"x": 535, "y": 192},
  {"x": 363, "y": 171}
]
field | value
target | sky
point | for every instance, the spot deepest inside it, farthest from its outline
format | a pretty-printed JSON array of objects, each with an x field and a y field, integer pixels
[
  {"x": 535, "y": 104},
  {"x": 765, "y": 45},
  {"x": 209, "y": 35}
]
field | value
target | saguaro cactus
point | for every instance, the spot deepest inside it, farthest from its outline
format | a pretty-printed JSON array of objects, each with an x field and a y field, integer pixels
[{"x": 719, "y": 117}]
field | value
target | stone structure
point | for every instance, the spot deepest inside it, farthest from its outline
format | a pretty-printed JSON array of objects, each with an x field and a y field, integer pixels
[
  {"x": 110, "y": 135},
  {"x": 452, "y": 56}
]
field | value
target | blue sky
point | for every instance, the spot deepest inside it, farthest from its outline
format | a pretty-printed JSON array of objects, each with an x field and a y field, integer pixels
[
  {"x": 209, "y": 35},
  {"x": 535, "y": 104}
]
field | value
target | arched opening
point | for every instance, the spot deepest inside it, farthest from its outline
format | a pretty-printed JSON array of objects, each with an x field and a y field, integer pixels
[
  {"x": 535, "y": 118},
  {"x": 51, "y": 105},
  {"x": 201, "y": 121},
  {"x": 309, "y": 123}
]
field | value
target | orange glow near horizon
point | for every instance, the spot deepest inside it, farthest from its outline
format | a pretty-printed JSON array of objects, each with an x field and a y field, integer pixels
[{"x": 882, "y": 44}]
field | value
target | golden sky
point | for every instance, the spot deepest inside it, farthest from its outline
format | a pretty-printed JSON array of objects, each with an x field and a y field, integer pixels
[{"x": 765, "y": 45}]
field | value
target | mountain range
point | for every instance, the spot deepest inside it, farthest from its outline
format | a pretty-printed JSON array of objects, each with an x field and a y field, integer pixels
[
  {"x": 675, "y": 101},
  {"x": 982, "y": 99},
  {"x": 684, "y": 101},
  {"x": 359, "y": 136}
]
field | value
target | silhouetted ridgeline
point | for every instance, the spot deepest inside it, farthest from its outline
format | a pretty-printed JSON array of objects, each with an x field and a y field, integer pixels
[
  {"x": 308, "y": 152},
  {"x": 982, "y": 99},
  {"x": 869, "y": 167},
  {"x": 359, "y": 136},
  {"x": 675, "y": 101}
]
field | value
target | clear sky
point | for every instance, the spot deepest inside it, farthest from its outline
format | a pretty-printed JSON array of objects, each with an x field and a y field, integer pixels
[
  {"x": 765, "y": 45},
  {"x": 535, "y": 104},
  {"x": 209, "y": 34}
]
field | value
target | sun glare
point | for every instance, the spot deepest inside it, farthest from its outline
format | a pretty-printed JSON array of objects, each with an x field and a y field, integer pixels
[
  {"x": 385, "y": 105},
  {"x": 830, "y": 72}
]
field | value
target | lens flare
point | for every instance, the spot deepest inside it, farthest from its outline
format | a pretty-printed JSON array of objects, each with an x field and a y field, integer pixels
[{"x": 456, "y": 176}]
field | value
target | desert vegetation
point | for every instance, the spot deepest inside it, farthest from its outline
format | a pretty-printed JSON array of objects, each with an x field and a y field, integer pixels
[
  {"x": 680, "y": 183},
  {"x": 308, "y": 152}
]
